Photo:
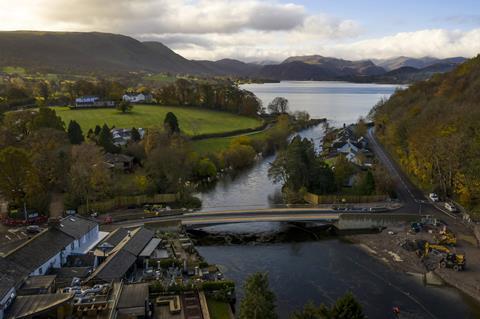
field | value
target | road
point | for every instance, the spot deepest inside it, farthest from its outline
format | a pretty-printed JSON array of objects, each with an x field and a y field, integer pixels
[{"x": 413, "y": 198}]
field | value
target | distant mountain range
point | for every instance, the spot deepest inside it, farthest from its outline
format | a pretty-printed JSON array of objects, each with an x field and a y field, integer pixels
[{"x": 95, "y": 52}]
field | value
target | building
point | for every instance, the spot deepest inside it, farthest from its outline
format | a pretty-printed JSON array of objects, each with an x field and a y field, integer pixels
[
  {"x": 121, "y": 260},
  {"x": 50, "y": 248},
  {"x": 92, "y": 102},
  {"x": 137, "y": 97},
  {"x": 119, "y": 161},
  {"x": 121, "y": 136}
]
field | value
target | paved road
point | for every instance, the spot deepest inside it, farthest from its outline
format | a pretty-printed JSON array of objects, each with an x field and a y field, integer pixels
[{"x": 413, "y": 198}]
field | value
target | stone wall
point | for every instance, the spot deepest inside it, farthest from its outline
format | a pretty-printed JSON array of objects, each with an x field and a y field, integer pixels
[{"x": 357, "y": 221}]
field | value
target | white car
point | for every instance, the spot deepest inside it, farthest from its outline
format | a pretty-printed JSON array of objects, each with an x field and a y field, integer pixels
[
  {"x": 433, "y": 197},
  {"x": 450, "y": 207}
]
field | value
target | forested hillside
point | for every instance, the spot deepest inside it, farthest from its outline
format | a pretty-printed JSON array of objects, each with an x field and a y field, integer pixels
[{"x": 433, "y": 129}]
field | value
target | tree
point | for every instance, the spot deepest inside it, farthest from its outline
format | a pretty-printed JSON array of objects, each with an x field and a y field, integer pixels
[
  {"x": 97, "y": 130},
  {"x": 259, "y": 300},
  {"x": 105, "y": 140},
  {"x": 239, "y": 156},
  {"x": 47, "y": 118},
  {"x": 205, "y": 168},
  {"x": 279, "y": 105},
  {"x": 124, "y": 106},
  {"x": 18, "y": 178},
  {"x": 299, "y": 166},
  {"x": 75, "y": 134},
  {"x": 89, "y": 178},
  {"x": 171, "y": 124},
  {"x": 347, "y": 307},
  {"x": 135, "y": 135}
]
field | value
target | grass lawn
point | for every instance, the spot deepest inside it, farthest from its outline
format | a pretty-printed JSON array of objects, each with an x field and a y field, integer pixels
[
  {"x": 218, "y": 309},
  {"x": 216, "y": 145},
  {"x": 192, "y": 121}
]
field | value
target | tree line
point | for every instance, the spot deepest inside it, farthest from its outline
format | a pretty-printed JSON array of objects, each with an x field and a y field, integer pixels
[
  {"x": 217, "y": 95},
  {"x": 432, "y": 129}
]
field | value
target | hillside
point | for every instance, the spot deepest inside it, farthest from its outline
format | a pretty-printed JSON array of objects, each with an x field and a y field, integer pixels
[
  {"x": 432, "y": 128},
  {"x": 417, "y": 63},
  {"x": 105, "y": 53},
  {"x": 315, "y": 67},
  {"x": 64, "y": 52}
]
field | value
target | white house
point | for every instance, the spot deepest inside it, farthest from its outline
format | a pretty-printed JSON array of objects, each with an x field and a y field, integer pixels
[
  {"x": 137, "y": 97},
  {"x": 50, "y": 248}
]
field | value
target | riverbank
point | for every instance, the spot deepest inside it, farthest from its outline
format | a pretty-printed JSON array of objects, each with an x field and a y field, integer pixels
[{"x": 386, "y": 246}]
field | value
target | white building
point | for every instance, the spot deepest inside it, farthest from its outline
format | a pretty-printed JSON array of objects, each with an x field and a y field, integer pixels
[
  {"x": 50, "y": 248},
  {"x": 137, "y": 97}
]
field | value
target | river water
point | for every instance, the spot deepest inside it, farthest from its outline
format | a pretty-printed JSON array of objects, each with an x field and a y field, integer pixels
[{"x": 319, "y": 271}]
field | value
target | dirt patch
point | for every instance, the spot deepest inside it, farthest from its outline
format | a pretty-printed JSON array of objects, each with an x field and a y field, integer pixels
[{"x": 389, "y": 247}]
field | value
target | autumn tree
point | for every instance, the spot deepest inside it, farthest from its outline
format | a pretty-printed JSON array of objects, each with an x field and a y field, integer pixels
[
  {"x": 18, "y": 177},
  {"x": 89, "y": 178}
]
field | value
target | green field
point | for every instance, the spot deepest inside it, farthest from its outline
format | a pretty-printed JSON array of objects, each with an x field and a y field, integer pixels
[{"x": 193, "y": 121}]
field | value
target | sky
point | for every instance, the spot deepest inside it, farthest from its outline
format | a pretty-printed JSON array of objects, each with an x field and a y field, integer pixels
[{"x": 267, "y": 30}]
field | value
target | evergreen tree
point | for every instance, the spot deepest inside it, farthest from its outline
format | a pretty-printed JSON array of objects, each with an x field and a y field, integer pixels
[
  {"x": 75, "y": 134},
  {"x": 347, "y": 307},
  {"x": 171, "y": 123},
  {"x": 97, "y": 130},
  {"x": 105, "y": 140},
  {"x": 124, "y": 106},
  {"x": 259, "y": 300},
  {"x": 135, "y": 135}
]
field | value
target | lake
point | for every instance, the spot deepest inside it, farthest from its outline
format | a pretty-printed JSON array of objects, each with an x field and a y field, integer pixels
[{"x": 339, "y": 102}]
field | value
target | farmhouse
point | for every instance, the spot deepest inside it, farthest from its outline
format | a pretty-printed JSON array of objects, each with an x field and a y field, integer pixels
[{"x": 137, "y": 97}]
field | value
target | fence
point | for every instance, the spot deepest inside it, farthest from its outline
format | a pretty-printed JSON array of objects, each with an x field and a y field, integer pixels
[
  {"x": 339, "y": 199},
  {"x": 125, "y": 201}
]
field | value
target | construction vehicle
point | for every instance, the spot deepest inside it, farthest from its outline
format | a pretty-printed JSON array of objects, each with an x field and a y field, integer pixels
[
  {"x": 446, "y": 237},
  {"x": 448, "y": 258},
  {"x": 455, "y": 261}
]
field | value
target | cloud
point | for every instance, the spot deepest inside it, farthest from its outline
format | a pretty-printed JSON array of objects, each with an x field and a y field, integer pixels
[
  {"x": 247, "y": 29},
  {"x": 439, "y": 43}
]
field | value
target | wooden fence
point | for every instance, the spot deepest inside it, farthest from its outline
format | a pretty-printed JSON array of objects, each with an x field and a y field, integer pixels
[
  {"x": 340, "y": 199},
  {"x": 125, "y": 201}
]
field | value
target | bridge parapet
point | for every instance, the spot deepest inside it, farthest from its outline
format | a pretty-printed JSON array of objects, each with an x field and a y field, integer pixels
[{"x": 356, "y": 221}]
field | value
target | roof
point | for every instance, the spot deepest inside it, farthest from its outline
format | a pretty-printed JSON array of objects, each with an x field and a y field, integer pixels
[
  {"x": 39, "y": 249},
  {"x": 139, "y": 240},
  {"x": 36, "y": 282},
  {"x": 76, "y": 226},
  {"x": 11, "y": 275},
  {"x": 70, "y": 272},
  {"x": 115, "y": 267},
  {"x": 115, "y": 237},
  {"x": 116, "y": 158},
  {"x": 148, "y": 250},
  {"x": 133, "y": 296},
  {"x": 29, "y": 306}
]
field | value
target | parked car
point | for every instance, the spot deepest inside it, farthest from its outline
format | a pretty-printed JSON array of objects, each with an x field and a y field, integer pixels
[
  {"x": 433, "y": 197},
  {"x": 450, "y": 207},
  {"x": 33, "y": 229}
]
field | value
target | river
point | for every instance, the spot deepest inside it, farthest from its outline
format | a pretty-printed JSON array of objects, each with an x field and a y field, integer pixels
[{"x": 322, "y": 270}]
